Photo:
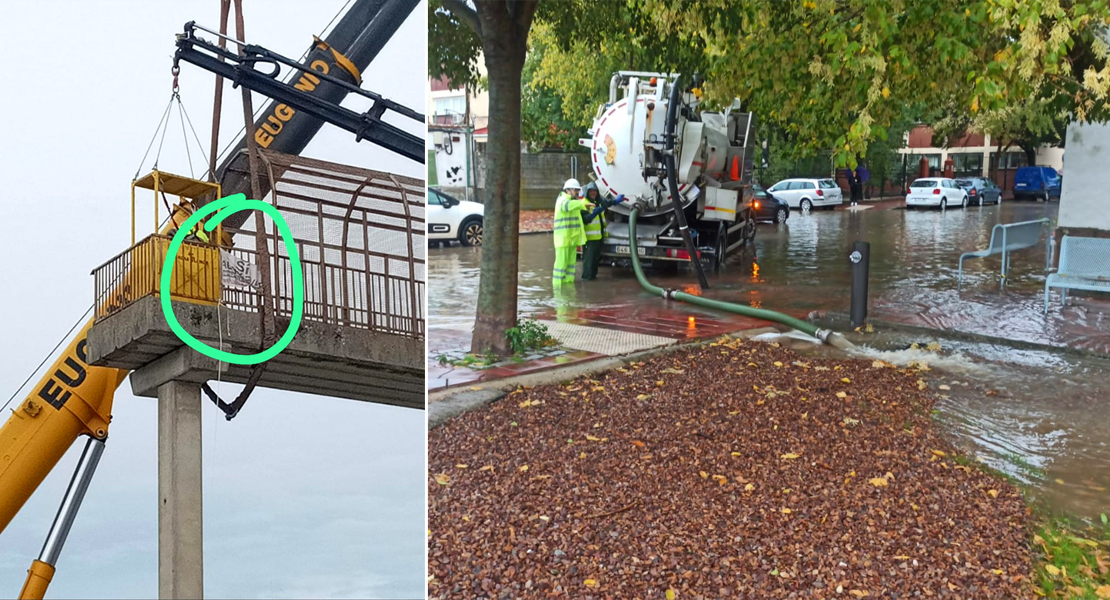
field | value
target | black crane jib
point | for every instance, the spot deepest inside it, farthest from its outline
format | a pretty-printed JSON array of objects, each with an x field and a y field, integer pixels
[{"x": 242, "y": 69}]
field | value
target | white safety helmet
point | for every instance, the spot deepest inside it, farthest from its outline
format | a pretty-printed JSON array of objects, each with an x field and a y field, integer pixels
[{"x": 571, "y": 184}]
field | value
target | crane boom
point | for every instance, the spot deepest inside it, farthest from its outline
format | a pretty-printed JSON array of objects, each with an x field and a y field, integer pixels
[{"x": 73, "y": 398}]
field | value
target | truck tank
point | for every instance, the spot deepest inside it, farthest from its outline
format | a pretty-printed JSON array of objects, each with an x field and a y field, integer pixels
[{"x": 713, "y": 152}]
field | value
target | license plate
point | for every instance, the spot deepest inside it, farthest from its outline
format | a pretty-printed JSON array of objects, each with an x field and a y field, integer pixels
[{"x": 625, "y": 250}]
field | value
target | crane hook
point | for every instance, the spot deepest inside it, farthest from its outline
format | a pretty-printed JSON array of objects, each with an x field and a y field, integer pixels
[{"x": 175, "y": 71}]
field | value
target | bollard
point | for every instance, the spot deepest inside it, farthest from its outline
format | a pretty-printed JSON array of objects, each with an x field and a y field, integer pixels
[{"x": 860, "y": 259}]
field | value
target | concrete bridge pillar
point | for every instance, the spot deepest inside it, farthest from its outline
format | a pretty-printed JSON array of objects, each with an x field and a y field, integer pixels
[{"x": 180, "y": 527}]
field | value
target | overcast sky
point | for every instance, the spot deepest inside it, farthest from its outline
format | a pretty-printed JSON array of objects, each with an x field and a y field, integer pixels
[{"x": 304, "y": 496}]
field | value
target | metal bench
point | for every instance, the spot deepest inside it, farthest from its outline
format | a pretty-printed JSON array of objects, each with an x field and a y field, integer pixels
[
  {"x": 1006, "y": 238},
  {"x": 1084, "y": 265}
]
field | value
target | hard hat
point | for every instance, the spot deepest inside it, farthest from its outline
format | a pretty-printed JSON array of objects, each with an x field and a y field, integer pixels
[{"x": 572, "y": 184}]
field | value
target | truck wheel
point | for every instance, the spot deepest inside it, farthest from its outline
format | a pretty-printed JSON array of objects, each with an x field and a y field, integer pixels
[
  {"x": 749, "y": 228},
  {"x": 470, "y": 233}
]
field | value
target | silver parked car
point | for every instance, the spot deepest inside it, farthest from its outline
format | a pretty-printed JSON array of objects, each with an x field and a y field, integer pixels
[
  {"x": 807, "y": 194},
  {"x": 981, "y": 190}
]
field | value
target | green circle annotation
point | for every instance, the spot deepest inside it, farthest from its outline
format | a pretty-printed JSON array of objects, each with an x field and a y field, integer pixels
[{"x": 231, "y": 205}]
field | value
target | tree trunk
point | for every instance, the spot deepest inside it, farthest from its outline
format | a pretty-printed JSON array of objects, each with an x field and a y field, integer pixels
[
  {"x": 504, "y": 43},
  {"x": 1030, "y": 153}
]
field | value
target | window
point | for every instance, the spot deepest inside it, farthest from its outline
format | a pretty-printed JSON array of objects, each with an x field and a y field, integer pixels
[
  {"x": 924, "y": 183},
  {"x": 802, "y": 185},
  {"x": 434, "y": 199},
  {"x": 1009, "y": 160},
  {"x": 827, "y": 184},
  {"x": 450, "y": 107},
  {"x": 967, "y": 163}
]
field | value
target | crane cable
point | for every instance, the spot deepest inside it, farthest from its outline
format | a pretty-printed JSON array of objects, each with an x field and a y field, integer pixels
[
  {"x": 164, "y": 127},
  {"x": 51, "y": 353}
]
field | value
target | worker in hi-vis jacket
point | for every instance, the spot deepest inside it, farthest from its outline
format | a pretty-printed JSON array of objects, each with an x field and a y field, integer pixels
[{"x": 570, "y": 231}]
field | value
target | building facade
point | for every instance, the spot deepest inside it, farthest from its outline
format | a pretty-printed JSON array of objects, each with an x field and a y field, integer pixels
[
  {"x": 457, "y": 126},
  {"x": 974, "y": 155}
]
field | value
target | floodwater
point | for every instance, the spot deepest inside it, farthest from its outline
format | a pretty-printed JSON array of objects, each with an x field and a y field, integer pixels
[{"x": 1038, "y": 415}]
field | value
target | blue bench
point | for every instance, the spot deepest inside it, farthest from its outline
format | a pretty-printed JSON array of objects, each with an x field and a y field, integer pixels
[
  {"x": 1005, "y": 239},
  {"x": 1084, "y": 265}
]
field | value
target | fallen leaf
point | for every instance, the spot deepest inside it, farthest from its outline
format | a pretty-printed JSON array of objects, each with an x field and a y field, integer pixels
[
  {"x": 671, "y": 594},
  {"x": 638, "y": 444},
  {"x": 591, "y": 583},
  {"x": 841, "y": 395},
  {"x": 475, "y": 388},
  {"x": 939, "y": 453},
  {"x": 1052, "y": 570},
  {"x": 858, "y": 593},
  {"x": 736, "y": 454},
  {"x": 523, "y": 468},
  {"x": 443, "y": 479},
  {"x": 878, "y": 482},
  {"x": 778, "y": 364},
  {"x": 943, "y": 387},
  {"x": 486, "y": 468},
  {"x": 846, "y": 380},
  {"x": 921, "y": 384},
  {"x": 460, "y": 466},
  {"x": 789, "y": 456},
  {"x": 993, "y": 493},
  {"x": 703, "y": 474},
  {"x": 749, "y": 487},
  {"x": 642, "y": 397},
  {"x": 1103, "y": 591},
  {"x": 786, "y": 511}
]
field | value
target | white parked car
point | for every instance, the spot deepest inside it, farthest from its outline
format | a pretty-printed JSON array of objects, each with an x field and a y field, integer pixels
[
  {"x": 807, "y": 194},
  {"x": 936, "y": 191},
  {"x": 449, "y": 218}
]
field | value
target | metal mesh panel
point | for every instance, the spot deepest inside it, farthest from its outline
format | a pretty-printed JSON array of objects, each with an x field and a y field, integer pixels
[{"x": 360, "y": 236}]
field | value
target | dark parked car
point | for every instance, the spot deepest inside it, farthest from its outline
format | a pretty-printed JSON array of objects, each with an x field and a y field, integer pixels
[
  {"x": 1037, "y": 183},
  {"x": 769, "y": 207},
  {"x": 980, "y": 190}
]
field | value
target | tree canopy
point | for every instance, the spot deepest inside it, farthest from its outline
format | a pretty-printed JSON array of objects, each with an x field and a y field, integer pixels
[{"x": 839, "y": 72}]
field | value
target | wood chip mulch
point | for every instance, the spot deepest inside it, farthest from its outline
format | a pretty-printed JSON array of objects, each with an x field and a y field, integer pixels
[{"x": 733, "y": 470}]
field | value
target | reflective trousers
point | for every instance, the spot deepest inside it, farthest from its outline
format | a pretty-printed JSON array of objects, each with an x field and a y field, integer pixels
[
  {"x": 591, "y": 259},
  {"x": 565, "y": 258}
]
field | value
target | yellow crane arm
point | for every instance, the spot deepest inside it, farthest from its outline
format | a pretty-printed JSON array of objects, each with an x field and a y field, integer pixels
[{"x": 71, "y": 400}]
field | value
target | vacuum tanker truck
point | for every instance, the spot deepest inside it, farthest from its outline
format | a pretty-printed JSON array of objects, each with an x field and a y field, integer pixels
[{"x": 652, "y": 143}]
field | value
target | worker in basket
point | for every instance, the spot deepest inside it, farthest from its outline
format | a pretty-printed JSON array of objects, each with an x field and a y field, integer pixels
[
  {"x": 595, "y": 230},
  {"x": 181, "y": 214},
  {"x": 570, "y": 231}
]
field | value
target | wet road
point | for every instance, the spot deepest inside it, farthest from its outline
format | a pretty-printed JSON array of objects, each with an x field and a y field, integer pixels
[
  {"x": 1032, "y": 414},
  {"x": 802, "y": 266}
]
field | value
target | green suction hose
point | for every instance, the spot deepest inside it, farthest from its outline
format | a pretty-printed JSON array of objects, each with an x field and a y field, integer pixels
[{"x": 829, "y": 337}]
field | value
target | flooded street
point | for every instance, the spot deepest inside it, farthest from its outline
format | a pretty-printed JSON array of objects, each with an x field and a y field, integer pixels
[{"x": 1038, "y": 415}]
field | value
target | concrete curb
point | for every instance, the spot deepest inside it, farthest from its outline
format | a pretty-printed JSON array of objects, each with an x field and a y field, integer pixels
[{"x": 445, "y": 405}]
